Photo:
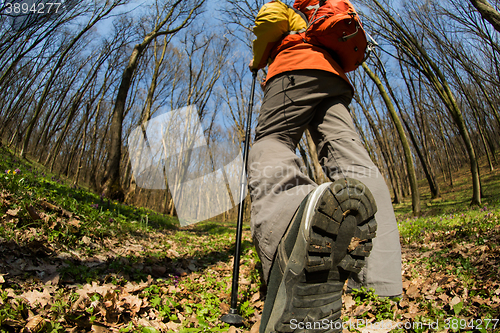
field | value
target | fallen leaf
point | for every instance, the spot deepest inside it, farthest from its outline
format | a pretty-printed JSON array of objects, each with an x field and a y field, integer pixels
[
  {"x": 255, "y": 297},
  {"x": 34, "y": 325},
  {"x": 48, "y": 205},
  {"x": 172, "y": 253},
  {"x": 134, "y": 303},
  {"x": 37, "y": 297},
  {"x": 244, "y": 281},
  {"x": 259, "y": 305},
  {"x": 413, "y": 292},
  {"x": 33, "y": 213},
  {"x": 224, "y": 307},
  {"x": 349, "y": 302},
  {"x": 86, "y": 240},
  {"x": 74, "y": 223},
  {"x": 255, "y": 327},
  {"x": 361, "y": 309},
  {"x": 455, "y": 301},
  {"x": 173, "y": 326},
  {"x": 100, "y": 329},
  {"x": 13, "y": 212}
]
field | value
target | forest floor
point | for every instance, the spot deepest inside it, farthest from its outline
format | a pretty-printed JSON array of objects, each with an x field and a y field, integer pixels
[{"x": 72, "y": 261}]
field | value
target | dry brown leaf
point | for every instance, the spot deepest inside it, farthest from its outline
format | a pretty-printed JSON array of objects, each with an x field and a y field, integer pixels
[
  {"x": 349, "y": 302},
  {"x": 13, "y": 212},
  {"x": 354, "y": 244},
  {"x": 100, "y": 329},
  {"x": 95, "y": 288},
  {"x": 66, "y": 213},
  {"x": 86, "y": 240},
  {"x": 224, "y": 307},
  {"x": 406, "y": 284},
  {"x": 37, "y": 297},
  {"x": 361, "y": 309},
  {"x": 255, "y": 327},
  {"x": 33, "y": 213},
  {"x": 455, "y": 301},
  {"x": 444, "y": 297},
  {"x": 259, "y": 305},
  {"x": 404, "y": 303},
  {"x": 173, "y": 289},
  {"x": 48, "y": 205},
  {"x": 172, "y": 253},
  {"x": 133, "y": 301},
  {"x": 413, "y": 291},
  {"x": 432, "y": 289},
  {"x": 74, "y": 223},
  {"x": 34, "y": 325},
  {"x": 255, "y": 297},
  {"x": 173, "y": 326},
  {"x": 244, "y": 281}
]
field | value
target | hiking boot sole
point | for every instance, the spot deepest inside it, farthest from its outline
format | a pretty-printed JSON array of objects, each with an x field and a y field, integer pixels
[{"x": 314, "y": 261}]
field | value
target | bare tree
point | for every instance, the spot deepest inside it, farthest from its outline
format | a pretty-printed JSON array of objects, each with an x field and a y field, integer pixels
[
  {"x": 98, "y": 15},
  {"x": 400, "y": 35},
  {"x": 171, "y": 18},
  {"x": 488, "y": 12},
  {"x": 415, "y": 194}
]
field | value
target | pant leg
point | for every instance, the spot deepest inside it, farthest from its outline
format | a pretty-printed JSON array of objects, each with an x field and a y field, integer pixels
[
  {"x": 277, "y": 180},
  {"x": 277, "y": 187},
  {"x": 343, "y": 155}
]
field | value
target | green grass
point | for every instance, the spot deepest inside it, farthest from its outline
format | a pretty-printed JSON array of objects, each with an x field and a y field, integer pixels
[
  {"x": 180, "y": 278},
  {"x": 454, "y": 199},
  {"x": 182, "y": 275},
  {"x": 451, "y": 255}
]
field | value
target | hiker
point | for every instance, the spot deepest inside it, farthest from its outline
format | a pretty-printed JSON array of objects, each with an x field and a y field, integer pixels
[{"x": 306, "y": 88}]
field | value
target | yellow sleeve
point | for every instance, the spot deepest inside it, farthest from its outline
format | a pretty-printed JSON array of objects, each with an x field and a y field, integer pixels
[{"x": 273, "y": 21}]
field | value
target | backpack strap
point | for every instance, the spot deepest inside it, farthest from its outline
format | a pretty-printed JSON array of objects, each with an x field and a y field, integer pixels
[{"x": 304, "y": 17}]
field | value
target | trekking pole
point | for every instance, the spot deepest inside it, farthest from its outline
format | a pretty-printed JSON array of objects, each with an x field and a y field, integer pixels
[{"x": 233, "y": 317}]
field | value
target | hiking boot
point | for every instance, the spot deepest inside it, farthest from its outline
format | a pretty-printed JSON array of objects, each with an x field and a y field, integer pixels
[{"x": 328, "y": 238}]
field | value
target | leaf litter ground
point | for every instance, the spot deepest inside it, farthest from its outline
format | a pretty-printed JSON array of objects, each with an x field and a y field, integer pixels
[{"x": 72, "y": 261}]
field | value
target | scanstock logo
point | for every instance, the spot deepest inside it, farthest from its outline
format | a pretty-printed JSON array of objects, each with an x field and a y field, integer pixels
[{"x": 171, "y": 150}]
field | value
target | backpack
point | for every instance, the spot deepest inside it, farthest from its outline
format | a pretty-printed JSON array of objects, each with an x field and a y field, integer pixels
[{"x": 335, "y": 26}]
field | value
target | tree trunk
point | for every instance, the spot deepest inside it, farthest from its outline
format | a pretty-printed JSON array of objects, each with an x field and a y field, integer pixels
[
  {"x": 306, "y": 162},
  {"x": 422, "y": 155},
  {"x": 406, "y": 147},
  {"x": 386, "y": 154},
  {"x": 409, "y": 44},
  {"x": 53, "y": 73},
  {"x": 488, "y": 12},
  {"x": 318, "y": 170},
  {"x": 111, "y": 186}
]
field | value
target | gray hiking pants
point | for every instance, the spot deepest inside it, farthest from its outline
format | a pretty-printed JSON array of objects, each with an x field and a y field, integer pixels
[{"x": 278, "y": 182}]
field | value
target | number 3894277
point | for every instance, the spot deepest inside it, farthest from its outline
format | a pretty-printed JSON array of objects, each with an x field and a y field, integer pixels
[{"x": 16, "y": 8}]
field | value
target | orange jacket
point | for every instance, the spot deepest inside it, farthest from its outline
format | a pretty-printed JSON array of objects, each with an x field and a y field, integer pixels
[{"x": 284, "y": 52}]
